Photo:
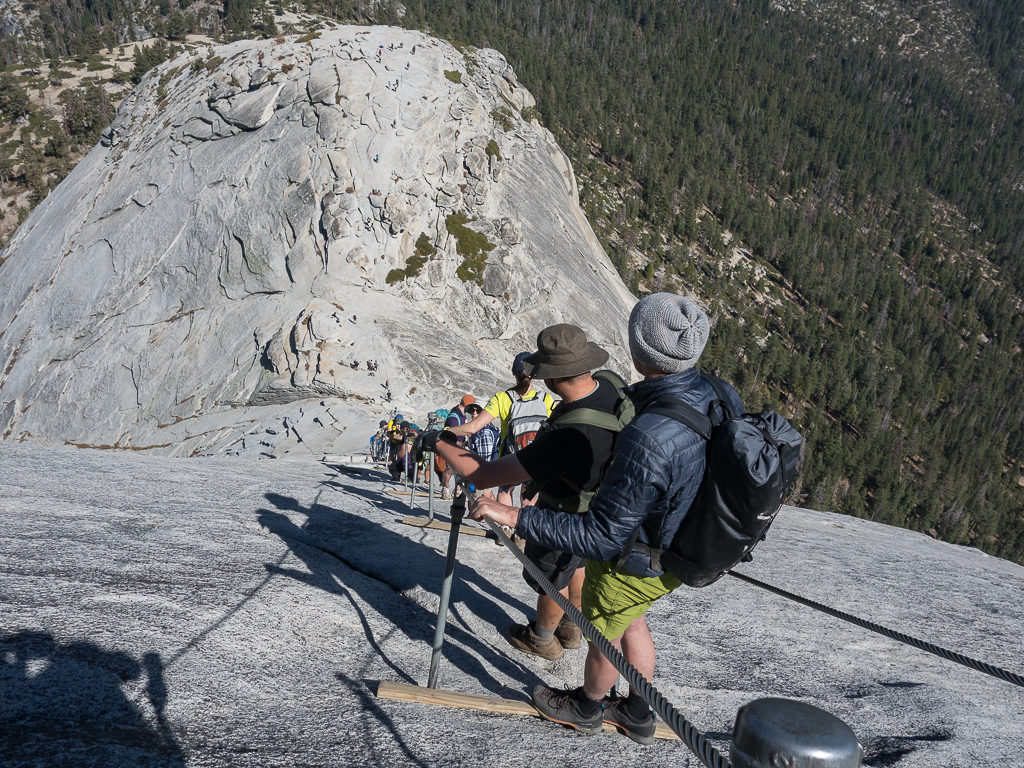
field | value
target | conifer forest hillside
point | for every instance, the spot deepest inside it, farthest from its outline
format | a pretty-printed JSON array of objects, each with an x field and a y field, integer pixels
[
  {"x": 842, "y": 182},
  {"x": 874, "y": 166}
]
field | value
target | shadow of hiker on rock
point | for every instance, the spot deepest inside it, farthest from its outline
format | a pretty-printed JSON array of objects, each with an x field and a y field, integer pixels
[
  {"x": 63, "y": 703},
  {"x": 333, "y": 543}
]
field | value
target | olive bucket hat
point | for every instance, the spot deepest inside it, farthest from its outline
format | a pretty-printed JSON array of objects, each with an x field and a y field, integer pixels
[{"x": 563, "y": 351}]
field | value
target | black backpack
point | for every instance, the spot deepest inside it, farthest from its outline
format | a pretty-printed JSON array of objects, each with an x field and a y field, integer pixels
[
  {"x": 753, "y": 459},
  {"x": 579, "y": 501}
]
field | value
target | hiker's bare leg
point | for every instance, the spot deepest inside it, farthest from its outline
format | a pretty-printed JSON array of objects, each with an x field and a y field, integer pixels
[
  {"x": 636, "y": 644},
  {"x": 548, "y": 612},
  {"x": 505, "y": 497},
  {"x": 575, "y": 595}
]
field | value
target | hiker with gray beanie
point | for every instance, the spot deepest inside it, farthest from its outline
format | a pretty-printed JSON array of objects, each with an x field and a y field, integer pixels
[{"x": 655, "y": 473}]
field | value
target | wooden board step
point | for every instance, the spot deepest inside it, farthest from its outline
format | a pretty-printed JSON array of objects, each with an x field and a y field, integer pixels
[
  {"x": 421, "y": 695},
  {"x": 421, "y": 494},
  {"x": 422, "y": 522}
]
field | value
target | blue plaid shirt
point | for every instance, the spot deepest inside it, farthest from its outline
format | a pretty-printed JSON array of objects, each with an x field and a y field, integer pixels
[{"x": 485, "y": 443}]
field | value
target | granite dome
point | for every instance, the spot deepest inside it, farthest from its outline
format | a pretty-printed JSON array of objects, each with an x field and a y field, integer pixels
[{"x": 262, "y": 214}]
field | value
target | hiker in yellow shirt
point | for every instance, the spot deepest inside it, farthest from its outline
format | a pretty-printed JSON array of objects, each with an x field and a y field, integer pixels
[{"x": 522, "y": 411}]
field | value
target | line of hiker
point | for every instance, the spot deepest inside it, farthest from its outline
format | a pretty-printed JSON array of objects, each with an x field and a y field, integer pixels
[
  {"x": 612, "y": 481},
  {"x": 508, "y": 422}
]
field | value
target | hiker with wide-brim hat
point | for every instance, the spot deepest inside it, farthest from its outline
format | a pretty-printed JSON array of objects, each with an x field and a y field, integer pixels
[
  {"x": 563, "y": 466},
  {"x": 563, "y": 352}
]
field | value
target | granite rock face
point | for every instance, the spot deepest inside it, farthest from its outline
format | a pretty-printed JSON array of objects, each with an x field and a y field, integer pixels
[
  {"x": 247, "y": 229},
  {"x": 233, "y": 612}
]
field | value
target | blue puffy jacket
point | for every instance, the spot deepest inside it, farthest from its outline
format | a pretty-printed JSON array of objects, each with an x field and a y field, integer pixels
[{"x": 651, "y": 483}]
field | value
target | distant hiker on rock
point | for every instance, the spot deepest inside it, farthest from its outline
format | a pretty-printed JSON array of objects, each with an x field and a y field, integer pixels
[
  {"x": 483, "y": 443},
  {"x": 394, "y": 431},
  {"x": 379, "y": 442},
  {"x": 456, "y": 418},
  {"x": 521, "y": 411},
  {"x": 564, "y": 465},
  {"x": 648, "y": 489}
]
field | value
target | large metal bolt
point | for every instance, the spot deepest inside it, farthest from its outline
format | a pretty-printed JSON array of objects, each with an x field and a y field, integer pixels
[{"x": 781, "y": 733}]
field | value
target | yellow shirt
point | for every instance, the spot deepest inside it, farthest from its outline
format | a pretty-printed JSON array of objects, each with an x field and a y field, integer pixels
[{"x": 501, "y": 406}]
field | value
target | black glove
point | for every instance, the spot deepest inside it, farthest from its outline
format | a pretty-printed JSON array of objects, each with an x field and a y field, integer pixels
[{"x": 428, "y": 440}]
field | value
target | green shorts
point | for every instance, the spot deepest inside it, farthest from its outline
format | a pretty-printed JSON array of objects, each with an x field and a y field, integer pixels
[{"x": 613, "y": 601}]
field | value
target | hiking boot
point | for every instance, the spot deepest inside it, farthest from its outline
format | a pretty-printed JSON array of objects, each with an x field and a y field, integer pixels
[
  {"x": 617, "y": 713},
  {"x": 522, "y": 636},
  {"x": 563, "y": 706},
  {"x": 568, "y": 634},
  {"x": 445, "y": 495}
]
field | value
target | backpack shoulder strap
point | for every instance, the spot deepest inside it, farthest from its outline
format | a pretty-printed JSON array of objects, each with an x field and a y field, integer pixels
[
  {"x": 676, "y": 409},
  {"x": 625, "y": 411},
  {"x": 589, "y": 417},
  {"x": 611, "y": 377},
  {"x": 721, "y": 393}
]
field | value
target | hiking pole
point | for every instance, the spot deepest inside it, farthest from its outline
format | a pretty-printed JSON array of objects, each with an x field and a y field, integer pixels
[
  {"x": 407, "y": 467},
  {"x": 430, "y": 486},
  {"x": 458, "y": 510},
  {"x": 415, "y": 475}
]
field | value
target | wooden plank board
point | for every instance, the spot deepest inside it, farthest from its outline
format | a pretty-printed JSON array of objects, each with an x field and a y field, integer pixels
[
  {"x": 423, "y": 494},
  {"x": 420, "y": 695},
  {"x": 422, "y": 522}
]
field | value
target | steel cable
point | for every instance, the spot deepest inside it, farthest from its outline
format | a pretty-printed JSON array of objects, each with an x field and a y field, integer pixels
[
  {"x": 923, "y": 645},
  {"x": 686, "y": 731}
]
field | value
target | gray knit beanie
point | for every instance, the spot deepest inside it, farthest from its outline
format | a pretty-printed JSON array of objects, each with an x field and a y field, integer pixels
[{"x": 667, "y": 332}]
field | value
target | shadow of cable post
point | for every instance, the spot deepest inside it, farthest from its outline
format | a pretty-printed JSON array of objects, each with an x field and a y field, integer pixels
[{"x": 353, "y": 544}]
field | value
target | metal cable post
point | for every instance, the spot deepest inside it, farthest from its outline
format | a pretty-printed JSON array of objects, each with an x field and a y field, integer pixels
[
  {"x": 457, "y": 511},
  {"x": 415, "y": 475},
  {"x": 430, "y": 485},
  {"x": 924, "y": 645}
]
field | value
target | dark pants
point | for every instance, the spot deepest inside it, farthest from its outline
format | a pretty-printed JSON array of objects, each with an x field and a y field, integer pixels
[{"x": 557, "y": 565}]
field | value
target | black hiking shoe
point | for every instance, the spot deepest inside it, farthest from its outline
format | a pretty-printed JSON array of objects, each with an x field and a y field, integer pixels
[
  {"x": 568, "y": 634},
  {"x": 522, "y": 636},
  {"x": 617, "y": 713},
  {"x": 562, "y": 706}
]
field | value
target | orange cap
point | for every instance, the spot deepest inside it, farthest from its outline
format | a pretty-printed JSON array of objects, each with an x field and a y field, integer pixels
[{"x": 467, "y": 399}]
